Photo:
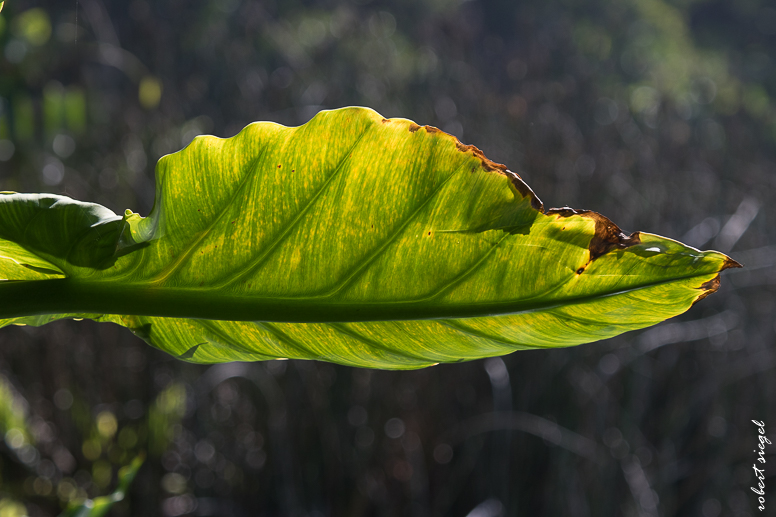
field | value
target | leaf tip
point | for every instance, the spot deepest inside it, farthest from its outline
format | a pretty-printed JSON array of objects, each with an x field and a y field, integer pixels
[{"x": 730, "y": 264}]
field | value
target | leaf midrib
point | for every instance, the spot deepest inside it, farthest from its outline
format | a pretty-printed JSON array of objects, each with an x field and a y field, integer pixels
[{"x": 55, "y": 296}]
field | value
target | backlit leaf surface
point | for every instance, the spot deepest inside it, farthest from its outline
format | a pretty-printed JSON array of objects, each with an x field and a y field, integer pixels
[{"x": 353, "y": 239}]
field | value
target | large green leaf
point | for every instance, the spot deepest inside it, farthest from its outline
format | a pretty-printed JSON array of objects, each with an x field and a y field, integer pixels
[{"x": 353, "y": 239}]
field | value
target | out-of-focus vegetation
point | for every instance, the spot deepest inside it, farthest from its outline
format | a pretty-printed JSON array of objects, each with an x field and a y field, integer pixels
[
  {"x": 658, "y": 114},
  {"x": 100, "y": 506}
]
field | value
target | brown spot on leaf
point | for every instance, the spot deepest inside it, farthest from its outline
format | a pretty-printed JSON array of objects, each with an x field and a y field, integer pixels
[
  {"x": 709, "y": 287},
  {"x": 385, "y": 121},
  {"x": 608, "y": 235},
  {"x": 279, "y": 166},
  {"x": 414, "y": 127}
]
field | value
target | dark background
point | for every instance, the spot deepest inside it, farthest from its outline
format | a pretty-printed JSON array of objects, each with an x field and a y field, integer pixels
[{"x": 660, "y": 115}]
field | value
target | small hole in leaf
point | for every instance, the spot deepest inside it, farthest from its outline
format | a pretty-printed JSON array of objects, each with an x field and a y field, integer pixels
[
  {"x": 580, "y": 270},
  {"x": 429, "y": 233}
]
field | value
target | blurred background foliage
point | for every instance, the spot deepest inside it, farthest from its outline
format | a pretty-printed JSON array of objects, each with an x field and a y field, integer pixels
[{"x": 659, "y": 114}]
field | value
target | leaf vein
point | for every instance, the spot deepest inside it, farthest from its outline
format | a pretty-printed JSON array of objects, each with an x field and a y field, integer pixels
[
  {"x": 256, "y": 262},
  {"x": 464, "y": 274},
  {"x": 460, "y": 327},
  {"x": 198, "y": 237},
  {"x": 364, "y": 264},
  {"x": 343, "y": 329}
]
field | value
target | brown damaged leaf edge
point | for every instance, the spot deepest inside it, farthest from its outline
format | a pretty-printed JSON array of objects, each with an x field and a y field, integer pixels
[
  {"x": 608, "y": 235},
  {"x": 730, "y": 263},
  {"x": 710, "y": 287},
  {"x": 489, "y": 165}
]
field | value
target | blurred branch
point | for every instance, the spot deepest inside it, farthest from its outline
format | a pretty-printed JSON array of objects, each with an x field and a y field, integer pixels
[
  {"x": 757, "y": 258},
  {"x": 117, "y": 57},
  {"x": 639, "y": 486},
  {"x": 527, "y": 423},
  {"x": 737, "y": 225},
  {"x": 100, "y": 21},
  {"x": 668, "y": 333}
]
